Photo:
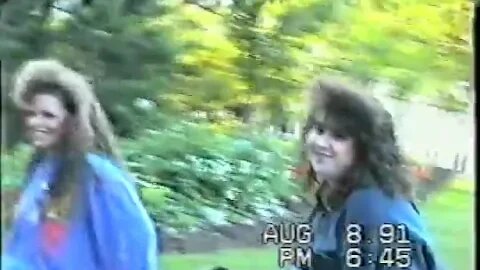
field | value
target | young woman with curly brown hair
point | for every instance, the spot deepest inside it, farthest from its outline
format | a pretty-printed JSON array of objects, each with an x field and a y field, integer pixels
[{"x": 365, "y": 217}]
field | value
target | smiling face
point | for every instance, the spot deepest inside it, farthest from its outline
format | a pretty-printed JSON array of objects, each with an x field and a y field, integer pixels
[
  {"x": 330, "y": 152},
  {"x": 45, "y": 121}
]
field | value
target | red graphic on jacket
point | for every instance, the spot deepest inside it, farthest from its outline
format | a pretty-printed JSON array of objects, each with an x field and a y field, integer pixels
[{"x": 53, "y": 236}]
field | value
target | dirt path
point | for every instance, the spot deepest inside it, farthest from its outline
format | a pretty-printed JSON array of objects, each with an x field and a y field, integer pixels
[{"x": 231, "y": 236}]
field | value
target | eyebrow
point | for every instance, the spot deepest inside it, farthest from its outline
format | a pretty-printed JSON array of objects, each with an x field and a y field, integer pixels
[
  {"x": 335, "y": 126},
  {"x": 41, "y": 111}
]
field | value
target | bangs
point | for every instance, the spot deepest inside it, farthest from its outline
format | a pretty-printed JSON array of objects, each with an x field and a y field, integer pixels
[
  {"x": 342, "y": 125},
  {"x": 49, "y": 88},
  {"x": 334, "y": 123},
  {"x": 349, "y": 123}
]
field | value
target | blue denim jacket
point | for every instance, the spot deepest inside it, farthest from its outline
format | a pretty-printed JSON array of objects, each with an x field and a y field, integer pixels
[
  {"x": 369, "y": 209},
  {"x": 110, "y": 230}
]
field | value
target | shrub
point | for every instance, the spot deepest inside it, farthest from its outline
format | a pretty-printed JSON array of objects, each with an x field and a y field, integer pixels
[
  {"x": 13, "y": 167},
  {"x": 13, "y": 173},
  {"x": 203, "y": 177},
  {"x": 191, "y": 175}
]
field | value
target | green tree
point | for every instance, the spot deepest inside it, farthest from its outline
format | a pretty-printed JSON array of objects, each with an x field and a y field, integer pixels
[
  {"x": 118, "y": 45},
  {"x": 422, "y": 46}
]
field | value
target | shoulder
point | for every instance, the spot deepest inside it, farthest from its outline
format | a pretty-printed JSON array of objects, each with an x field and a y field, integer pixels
[
  {"x": 105, "y": 168},
  {"x": 371, "y": 206},
  {"x": 112, "y": 181},
  {"x": 371, "y": 198}
]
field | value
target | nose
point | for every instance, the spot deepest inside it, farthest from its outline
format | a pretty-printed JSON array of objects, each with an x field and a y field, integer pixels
[
  {"x": 322, "y": 140},
  {"x": 32, "y": 121}
]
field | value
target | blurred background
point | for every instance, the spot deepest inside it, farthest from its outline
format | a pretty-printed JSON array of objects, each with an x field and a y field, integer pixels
[{"x": 208, "y": 99}]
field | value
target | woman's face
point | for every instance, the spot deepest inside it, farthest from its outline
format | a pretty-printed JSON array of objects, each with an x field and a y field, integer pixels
[
  {"x": 331, "y": 154},
  {"x": 45, "y": 121}
]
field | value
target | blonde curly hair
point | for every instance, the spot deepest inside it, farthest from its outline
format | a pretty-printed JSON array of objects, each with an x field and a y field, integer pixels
[{"x": 88, "y": 131}]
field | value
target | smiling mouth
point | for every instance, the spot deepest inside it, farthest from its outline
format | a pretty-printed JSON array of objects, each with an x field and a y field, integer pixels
[
  {"x": 38, "y": 133},
  {"x": 323, "y": 154}
]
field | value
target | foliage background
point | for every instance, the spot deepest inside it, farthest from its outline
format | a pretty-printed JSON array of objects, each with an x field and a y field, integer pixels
[{"x": 193, "y": 87}]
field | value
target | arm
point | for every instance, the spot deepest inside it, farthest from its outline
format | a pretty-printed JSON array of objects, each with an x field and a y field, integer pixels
[{"x": 124, "y": 234}]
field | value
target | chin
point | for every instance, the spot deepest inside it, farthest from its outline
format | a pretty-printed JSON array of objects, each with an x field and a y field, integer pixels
[
  {"x": 326, "y": 175},
  {"x": 41, "y": 146},
  {"x": 323, "y": 170}
]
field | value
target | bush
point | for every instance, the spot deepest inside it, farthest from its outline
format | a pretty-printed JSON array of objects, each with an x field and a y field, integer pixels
[
  {"x": 13, "y": 167},
  {"x": 191, "y": 175},
  {"x": 13, "y": 173}
]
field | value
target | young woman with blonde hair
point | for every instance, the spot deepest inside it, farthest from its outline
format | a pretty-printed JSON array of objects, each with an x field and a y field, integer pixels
[{"x": 80, "y": 209}]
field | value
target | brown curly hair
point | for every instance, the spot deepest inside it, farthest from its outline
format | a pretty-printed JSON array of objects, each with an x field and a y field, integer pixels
[
  {"x": 88, "y": 128},
  {"x": 378, "y": 159}
]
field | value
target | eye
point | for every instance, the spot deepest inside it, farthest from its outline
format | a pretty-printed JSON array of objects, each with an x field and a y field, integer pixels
[
  {"x": 47, "y": 114},
  {"x": 340, "y": 135},
  {"x": 319, "y": 128}
]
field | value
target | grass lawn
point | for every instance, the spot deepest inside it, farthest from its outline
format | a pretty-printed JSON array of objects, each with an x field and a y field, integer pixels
[{"x": 449, "y": 216}]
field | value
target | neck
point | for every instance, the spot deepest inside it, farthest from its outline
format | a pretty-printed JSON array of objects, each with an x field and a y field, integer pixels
[
  {"x": 328, "y": 182},
  {"x": 329, "y": 196}
]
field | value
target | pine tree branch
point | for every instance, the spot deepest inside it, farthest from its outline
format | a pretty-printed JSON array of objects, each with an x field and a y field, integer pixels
[
  {"x": 61, "y": 9},
  {"x": 209, "y": 9}
]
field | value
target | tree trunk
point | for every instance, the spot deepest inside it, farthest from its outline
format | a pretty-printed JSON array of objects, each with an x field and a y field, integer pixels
[{"x": 244, "y": 112}]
